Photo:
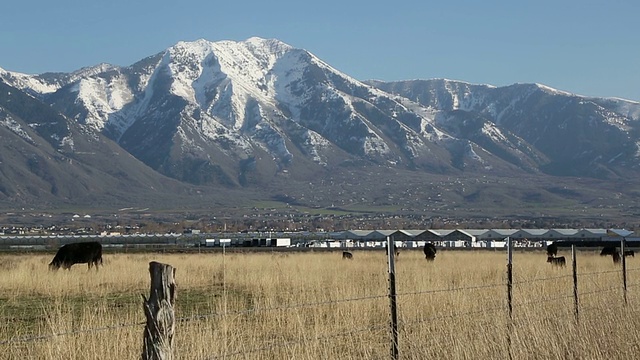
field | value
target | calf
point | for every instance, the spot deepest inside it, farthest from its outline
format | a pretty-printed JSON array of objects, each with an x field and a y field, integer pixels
[
  {"x": 557, "y": 261},
  {"x": 89, "y": 253},
  {"x": 629, "y": 253},
  {"x": 347, "y": 255}
]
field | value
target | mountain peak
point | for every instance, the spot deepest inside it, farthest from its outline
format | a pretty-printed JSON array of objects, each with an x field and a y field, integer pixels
[
  {"x": 252, "y": 43},
  {"x": 553, "y": 91},
  {"x": 274, "y": 45},
  {"x": 232, "y": 67}
]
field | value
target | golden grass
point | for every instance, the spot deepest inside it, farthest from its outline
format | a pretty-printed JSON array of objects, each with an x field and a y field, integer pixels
[{"x": 317, "y": 306}]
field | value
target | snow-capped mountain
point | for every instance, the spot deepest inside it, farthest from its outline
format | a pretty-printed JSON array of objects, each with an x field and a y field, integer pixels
[
  {"x": 534, "y": 126},
  {"x": 257, "y": 112},
  {"x": 216, "y": 111}
]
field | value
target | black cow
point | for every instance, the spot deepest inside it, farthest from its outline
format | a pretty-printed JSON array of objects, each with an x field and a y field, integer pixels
[
  {"x": 557, "y": 261},
  {"x": 552, "y": 250},
  {"x": 629, "y": 253},
  {"x": 77, "y": 253},
  {"x": 616, "y": 257},
  {"x": 429, "y": 251},
  {"x": 609, "y": 250},
  {"x": 347, "y": 255}
]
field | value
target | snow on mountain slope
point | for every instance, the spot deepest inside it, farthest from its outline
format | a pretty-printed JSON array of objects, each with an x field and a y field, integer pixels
[
  {"x": 102, "y": 97},
  {"x": 26, "y": 81},
  {"x": 10, "y": 123},
  {"x": 227, "y": 78},
  {"x": 544, "y": 128},
  {"x": 48, "y": 83},
  {"x": 205, "y": 111}
]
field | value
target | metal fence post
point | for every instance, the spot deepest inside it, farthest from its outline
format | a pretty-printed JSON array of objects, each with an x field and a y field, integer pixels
[
  {"x": 575, "y": 281},
  {"x": 509, "y": 292},
  {"x": 623, "y": 244},
  {"x": 510, "y": 276},
  {"x": 392, "y": 297}
]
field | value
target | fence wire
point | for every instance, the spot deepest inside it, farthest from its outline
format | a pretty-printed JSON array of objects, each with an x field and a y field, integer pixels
[
  {"x": 599, "y": 291},
  {"x": 195, "y": 318},
  {"x": 32, "y": 338},
  {"x": 529, "y": 281},
  {"x": 448, "y": 290},
  {"x": 283, "y": 343},
  {"x": 405, "y": 323},
  {"x": 587, "y": 274},
  {"x": 485, "y": 310}
]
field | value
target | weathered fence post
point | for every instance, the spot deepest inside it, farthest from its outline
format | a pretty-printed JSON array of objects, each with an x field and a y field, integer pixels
[
  {"x": 623, "y": 244},
  {"x": 158, "y": 309},
  {"x": 392, "y": 297},
  {"x": 575, "y": 281}
]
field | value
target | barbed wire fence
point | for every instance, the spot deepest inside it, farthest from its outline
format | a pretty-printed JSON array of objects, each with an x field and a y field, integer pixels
[{"x": 385, "y": 329}]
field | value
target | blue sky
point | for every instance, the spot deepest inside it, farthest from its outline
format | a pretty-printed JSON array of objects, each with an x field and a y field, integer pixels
[{"x": 586, "y": 47}]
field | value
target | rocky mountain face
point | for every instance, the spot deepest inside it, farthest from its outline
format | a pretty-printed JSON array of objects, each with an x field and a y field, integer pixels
[
  {"x": 260, "y": 114},
  {"x": 535, "y": 127},
  {"x": 46, "y": 159}
]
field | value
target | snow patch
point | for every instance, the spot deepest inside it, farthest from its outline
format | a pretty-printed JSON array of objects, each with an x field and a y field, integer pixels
[
  {"x": 102, "y": 98},
  {"x": 67, "y": 141},
  {"x": 14, "y": 126},
  {"x": 375, "y": 146},
  {"x": 314, "y": 143},
  {"x": 473, "y": 155},
  {"x": 26, "y": 81},
  {"x": 553, "y": 91},
  {"x": 493, "y": 133}
]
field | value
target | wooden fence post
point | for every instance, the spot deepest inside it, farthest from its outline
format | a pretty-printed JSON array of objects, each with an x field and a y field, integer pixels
[{"x": 158, "y": 309}]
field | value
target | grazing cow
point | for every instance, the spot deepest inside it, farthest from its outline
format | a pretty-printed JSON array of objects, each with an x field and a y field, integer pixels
[
  {"x": 629, "y": 253},
  {"x": 552, "y": 250},
  {"x": 429, "y": 251},
  {"x": 347, "y": 255},
  {"x": 616, "y": 257},
  {"x": 608, "y": 250},
  {"x": 77, "y": 253},
  {"x": 557, "y": 261}
]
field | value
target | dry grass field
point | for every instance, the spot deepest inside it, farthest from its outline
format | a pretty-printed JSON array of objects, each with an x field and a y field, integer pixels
[{"x": 315, "y": 305}]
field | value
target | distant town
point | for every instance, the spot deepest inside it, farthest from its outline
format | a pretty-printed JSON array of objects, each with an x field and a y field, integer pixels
[
  {"x": 142, "y": 221},
  {"x": 15, "y": 238}
]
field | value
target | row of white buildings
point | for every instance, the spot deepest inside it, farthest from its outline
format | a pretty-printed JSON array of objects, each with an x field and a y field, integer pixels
[
  {"x": 475, "y": 238},
  {"x": 456, "y": 238}
]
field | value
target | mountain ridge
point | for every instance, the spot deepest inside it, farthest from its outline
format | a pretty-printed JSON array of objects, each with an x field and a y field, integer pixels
[{"x": 247, "y": 115}]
